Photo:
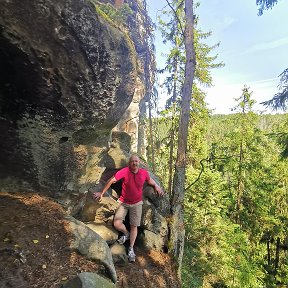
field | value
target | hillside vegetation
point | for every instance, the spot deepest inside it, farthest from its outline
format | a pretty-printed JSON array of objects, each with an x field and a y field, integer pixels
[{"x": 236, "y": 198}]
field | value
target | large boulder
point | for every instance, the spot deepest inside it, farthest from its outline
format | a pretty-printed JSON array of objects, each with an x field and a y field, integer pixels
[
  {"x": 67, "y": 75},
  {"x": 91, "y": 245},
  {"x": 99, "y": 212},
  {"x": 89, "y": 280},
  {"x": 119, "y": 254},
  {"x": 105, "y": 231}
]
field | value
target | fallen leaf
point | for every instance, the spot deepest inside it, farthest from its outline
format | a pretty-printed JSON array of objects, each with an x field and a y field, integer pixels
[{"x": 35, "y": 241}]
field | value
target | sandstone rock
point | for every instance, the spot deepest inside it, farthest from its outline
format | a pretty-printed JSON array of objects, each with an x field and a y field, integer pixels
[
  {"x": 89, "y": 280},
  {"x": 162, "y": 203},
  {"x": 150, "y": 240},
  {"x": 119, "y": 254},
  {"x": 152, "y": 220},
  {"x": 106, "y": 232},
  {"x": 99, "y": 212},
  {"x": 67, "y": 77},
  {"x": 91, "y": 245}
]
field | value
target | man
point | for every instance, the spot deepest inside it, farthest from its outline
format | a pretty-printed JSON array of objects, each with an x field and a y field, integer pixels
[{"x": 131, "y": 200}]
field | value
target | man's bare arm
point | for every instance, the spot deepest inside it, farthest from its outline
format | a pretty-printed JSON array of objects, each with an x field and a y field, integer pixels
[{"x": 99, "y": 195}]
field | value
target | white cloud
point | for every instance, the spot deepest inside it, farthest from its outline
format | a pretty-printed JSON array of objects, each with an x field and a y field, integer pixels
[
  {"x": 221, "y": 97},
  {"x": 227, "y": 22},
  {"x": 268, "y": 45}
]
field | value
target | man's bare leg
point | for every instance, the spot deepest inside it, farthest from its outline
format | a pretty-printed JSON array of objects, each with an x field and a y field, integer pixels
[
  {"x": 119, "y": 226},
  {"x": 133, "y": 235}
]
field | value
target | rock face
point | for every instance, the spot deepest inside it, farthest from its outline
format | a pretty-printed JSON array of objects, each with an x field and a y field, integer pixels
[
  {"x": 67, "y": 76},
  {"x": 89, "y": 280},
  {"x": 91, "y": 245},
  {"x": 132, "y": 121},
  {"x": 72, "y": 88}
]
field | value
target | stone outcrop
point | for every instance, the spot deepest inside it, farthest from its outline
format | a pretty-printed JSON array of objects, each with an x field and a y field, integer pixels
[
  {"x": 91, "y": 245},
  {"x": 89, "y": 280},
  {"x": 67, "y": 77},
  {"x": 132, "y": 122},
  {"x": 153, "y": 228},
  {"x": 73, "y": 87}
]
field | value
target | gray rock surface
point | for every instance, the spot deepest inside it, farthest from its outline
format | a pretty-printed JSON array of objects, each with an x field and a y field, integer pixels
[
  {"x": 67, "y": 77},
  {"x": 89, "y": 280},
  {"x": 105, "y": 231},
  {"x": 91, "y": 245},
  {"x": 71, "y": 86},
  {"x": 119, "y": 254}
]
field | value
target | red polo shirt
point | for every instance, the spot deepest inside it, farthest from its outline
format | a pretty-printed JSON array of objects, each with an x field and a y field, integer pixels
[{"x": 132, "y": 185}]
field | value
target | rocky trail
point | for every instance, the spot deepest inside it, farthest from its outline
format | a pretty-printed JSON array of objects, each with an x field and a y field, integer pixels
[{"x": 34, "y": 249}]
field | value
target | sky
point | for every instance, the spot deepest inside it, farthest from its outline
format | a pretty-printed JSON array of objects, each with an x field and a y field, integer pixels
[{"x": 253, "y": 48}]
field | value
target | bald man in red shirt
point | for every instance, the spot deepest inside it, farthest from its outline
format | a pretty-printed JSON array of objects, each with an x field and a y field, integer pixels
[{"x": 131, "y": 200}]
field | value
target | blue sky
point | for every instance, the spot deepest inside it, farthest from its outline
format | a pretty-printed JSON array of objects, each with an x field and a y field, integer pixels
[{"x": 254, "y": 48}]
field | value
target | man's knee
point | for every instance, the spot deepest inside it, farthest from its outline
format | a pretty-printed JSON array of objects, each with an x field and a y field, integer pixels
[{"x": 117, "y": 222}]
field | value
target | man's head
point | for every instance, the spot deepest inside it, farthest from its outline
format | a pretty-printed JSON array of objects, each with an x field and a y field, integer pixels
[{"x": 134, "y": 163}]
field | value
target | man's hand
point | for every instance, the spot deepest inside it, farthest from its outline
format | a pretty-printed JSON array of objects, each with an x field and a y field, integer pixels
[
  {"x": 158, "y": 190},
  {"x": 97, "y": 196}
]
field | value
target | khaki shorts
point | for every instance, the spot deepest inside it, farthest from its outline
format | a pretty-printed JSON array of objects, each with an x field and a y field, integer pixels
[{"x": 135, "y": 213}]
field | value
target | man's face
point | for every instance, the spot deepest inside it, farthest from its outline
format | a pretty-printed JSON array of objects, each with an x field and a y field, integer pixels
[{"x": 134, "y": 162}]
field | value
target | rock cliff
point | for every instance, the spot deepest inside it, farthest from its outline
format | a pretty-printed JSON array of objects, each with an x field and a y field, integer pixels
[
  {"x": 69, "y": 76},
  {"x": 74, "y": 80}
]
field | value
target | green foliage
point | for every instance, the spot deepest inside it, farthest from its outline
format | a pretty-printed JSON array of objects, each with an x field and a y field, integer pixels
[
  {"x": 172, "y": 30},
  {"x": 226, "y": 245},
  {"x": 236, "y": 195},
  {"x": 116, "y": 15},
  {"x": 280, "y": 100},
  {"x": 236, "y": 214},
  {"x": 171, "y": 25},
  {"x": 216, "y": 248}
]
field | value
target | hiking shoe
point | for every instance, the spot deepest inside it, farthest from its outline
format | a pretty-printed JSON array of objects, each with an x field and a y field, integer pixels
[
  {"x": 123, "y": 238},
  {"x": 131, "y": 255}
]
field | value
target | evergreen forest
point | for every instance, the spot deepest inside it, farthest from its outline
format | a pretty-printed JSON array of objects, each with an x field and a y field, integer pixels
[
  {"x": 236, "y": 177},
  {"x": 236, "y": 212}
]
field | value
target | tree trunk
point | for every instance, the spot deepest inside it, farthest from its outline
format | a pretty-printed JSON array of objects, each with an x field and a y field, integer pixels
[
  {"x": 268, "y": 253},
  {"x": 151, "y": 135},
  {"x": 277, "y": 253},
  {"x": 173, "y": 129},
  {"x": 177, "y": 223},
  {"x": 171, "y": 153}
]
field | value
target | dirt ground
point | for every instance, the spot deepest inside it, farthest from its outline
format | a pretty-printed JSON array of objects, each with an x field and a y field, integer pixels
[{"x": 34, "y": 249}]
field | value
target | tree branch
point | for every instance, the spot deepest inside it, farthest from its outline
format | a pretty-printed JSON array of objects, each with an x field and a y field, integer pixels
[{"x": 174, "y": 11}]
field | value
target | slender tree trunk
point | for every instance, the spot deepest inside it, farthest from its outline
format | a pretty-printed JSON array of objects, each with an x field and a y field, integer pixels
[
  {"x": 277, "y": 257},
  {"x": 142, "y": 135},
  {"x": 172, "y": 131},
  {"x": 177, "y": 224},
  {"x": 268, "y": 253},
  {"x": 151, "y": 135},
  {"x": 171, "y": 153}
]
